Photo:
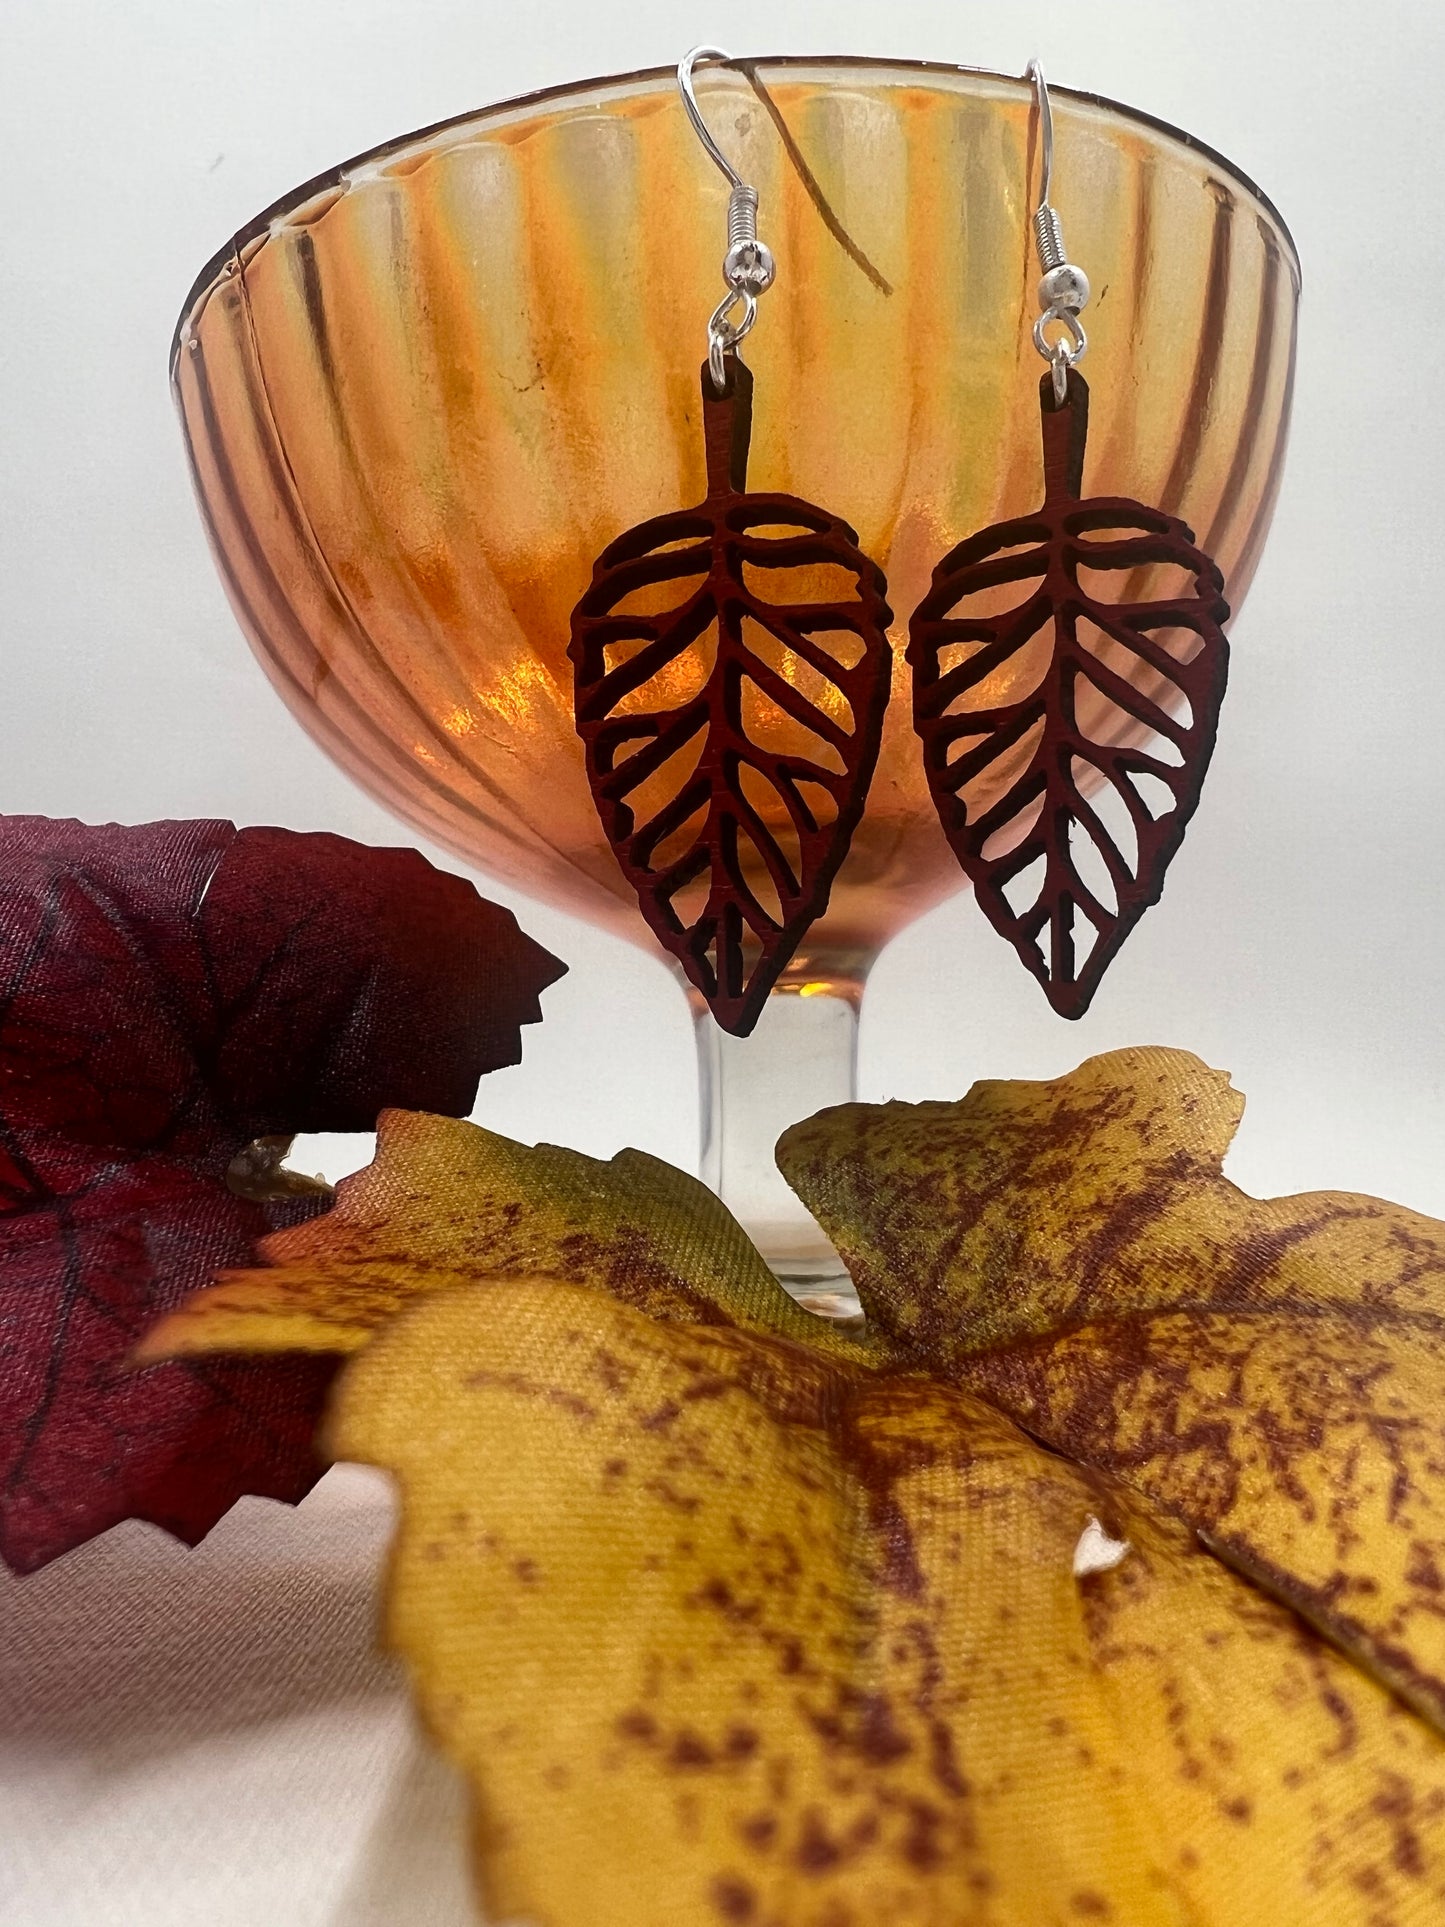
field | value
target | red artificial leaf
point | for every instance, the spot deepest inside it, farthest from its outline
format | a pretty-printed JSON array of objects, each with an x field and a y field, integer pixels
[
  {"x": 732, "y": 731},
  {"x": 168, "y": 994},
  {"x": 1033, "y": 716}
]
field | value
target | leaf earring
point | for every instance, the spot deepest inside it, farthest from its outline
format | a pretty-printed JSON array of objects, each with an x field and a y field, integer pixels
[
  {"x": 1065, "y": 830},
  {"x": 731, "y": 735}
]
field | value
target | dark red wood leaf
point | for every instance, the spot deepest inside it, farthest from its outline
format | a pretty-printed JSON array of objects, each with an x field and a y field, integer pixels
[
  {"x": 1066, "y": 736},
  {"x": 731, "y": 733},
  {"x": 167, "y": 994}
]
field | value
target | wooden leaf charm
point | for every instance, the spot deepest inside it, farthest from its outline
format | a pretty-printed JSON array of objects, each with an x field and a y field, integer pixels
[
  {"x": 1066, "y": 736},
  {"x": 732, "y": 669}
]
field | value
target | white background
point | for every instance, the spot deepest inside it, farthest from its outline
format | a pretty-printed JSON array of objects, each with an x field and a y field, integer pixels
[{"x": 1299, "y": 941}]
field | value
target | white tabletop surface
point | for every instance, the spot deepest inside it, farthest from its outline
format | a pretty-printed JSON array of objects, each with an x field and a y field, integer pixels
[{"x": 211, "y": 1736}]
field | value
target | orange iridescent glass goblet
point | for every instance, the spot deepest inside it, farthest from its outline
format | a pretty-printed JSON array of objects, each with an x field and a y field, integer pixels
[{"x": 422, "y": 393}]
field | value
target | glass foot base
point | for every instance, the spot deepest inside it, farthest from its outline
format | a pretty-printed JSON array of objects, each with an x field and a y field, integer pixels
[{"x": 828, "y": 1293}]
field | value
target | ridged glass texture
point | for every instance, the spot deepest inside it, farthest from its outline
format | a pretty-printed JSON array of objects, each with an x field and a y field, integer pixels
[{"x": 421, "y": 398}]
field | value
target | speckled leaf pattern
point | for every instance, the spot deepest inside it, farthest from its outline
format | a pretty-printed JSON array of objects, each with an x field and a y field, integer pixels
[
  {"x": 447, "y": 1202},
  {"x": 728, "y": 1626},
  {"x": 732, "y": 1634},
  {"x": 1066, "y": 735},
  {"x": 1273, "y": 1371},
  {"x": 732, "y": 669}
]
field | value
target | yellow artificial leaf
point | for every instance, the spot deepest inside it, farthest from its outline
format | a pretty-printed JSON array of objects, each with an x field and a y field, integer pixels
[
  {"x": 1274, "y": 1372},
  {"x": 1091, "y": 1585},
  {"x": 724, "y": 1631},
  {"x": 446, "y": 1203}
]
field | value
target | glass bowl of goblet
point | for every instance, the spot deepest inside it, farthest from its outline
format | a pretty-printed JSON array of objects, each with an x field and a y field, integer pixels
[{"x": 422, "y": 393}]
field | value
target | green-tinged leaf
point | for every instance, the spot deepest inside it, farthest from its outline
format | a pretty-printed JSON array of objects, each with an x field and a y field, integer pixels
[{"x": 447, "y": 1203}]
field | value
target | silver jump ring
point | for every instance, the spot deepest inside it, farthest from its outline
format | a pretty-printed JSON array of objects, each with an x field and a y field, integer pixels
[
  {"x": 1073, "y": 344},
  {"x": 1060, "y": 362},
  {"x": 1064, "y": 350},
  {"x": 724, "y": 333}
]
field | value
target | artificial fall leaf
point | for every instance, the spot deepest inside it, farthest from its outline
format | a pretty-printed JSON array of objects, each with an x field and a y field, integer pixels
[
  {"x": 723, "y": 1631},
  {"x": 726, "y": 1626},
  {"x": 169, "y": 993},
  {"x": 446, "y": 1202},
  {"x": 1272, "y": 1371}
]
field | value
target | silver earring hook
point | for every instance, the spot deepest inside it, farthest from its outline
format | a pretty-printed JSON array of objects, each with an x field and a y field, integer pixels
[
  {"x": 748, "y": 266},
  {"x": 1064, "y": 288},
  {"x": 694, "y": 112},
  {"x": 1034, "y": 72}
]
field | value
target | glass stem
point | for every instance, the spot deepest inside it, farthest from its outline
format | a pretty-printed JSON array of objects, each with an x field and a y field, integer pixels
[{"x": 802, "y": 1056}]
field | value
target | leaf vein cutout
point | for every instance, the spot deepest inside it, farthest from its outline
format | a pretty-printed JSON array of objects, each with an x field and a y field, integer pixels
[
  {"x": 754, "y": 870},
  {"x": 1011, "y": 748}
]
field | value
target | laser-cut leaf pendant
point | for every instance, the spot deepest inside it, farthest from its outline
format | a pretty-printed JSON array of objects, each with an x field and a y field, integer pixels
[
  {"x": 731, "y": 702},
  {"x": 1065, "y": 830}
]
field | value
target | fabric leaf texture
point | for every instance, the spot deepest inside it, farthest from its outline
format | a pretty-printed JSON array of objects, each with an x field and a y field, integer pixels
[
  {"x": 168, "y": 993},
  {"x": 1095, "y": 1581}
]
